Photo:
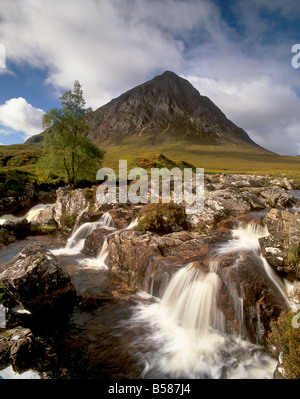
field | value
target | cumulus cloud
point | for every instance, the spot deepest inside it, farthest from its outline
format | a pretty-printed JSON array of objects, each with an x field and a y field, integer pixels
[
  {"x": 96, "y": 42},
  {"x": 18, "y": 115}
]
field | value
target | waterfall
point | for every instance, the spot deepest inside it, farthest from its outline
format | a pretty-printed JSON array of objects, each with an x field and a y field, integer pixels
[
  {"x": 75, "y": 243},
  {"x": 187, "y": 335},
  {"x": 31, "y": 215},
  {"x": 99, "y": 261},
  {"x": 244, "y": 237},
  {"x": 190, "y": 299}
]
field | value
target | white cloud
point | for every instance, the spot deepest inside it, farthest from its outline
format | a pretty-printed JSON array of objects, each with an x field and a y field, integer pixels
[
  {"x": 267, "y": 111},
  {"x": 17, "y": 114},
  {"x": 95, "y": 42}
]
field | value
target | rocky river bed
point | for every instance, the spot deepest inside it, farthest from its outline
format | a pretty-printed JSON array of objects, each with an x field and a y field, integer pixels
[{"x": 97, "y": 298}]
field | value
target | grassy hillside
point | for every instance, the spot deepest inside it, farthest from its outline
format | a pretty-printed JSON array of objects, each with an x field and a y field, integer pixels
[{"x": 213, "y": 158}]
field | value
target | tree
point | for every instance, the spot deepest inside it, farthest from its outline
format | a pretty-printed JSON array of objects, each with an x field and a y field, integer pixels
[{"x": 69, "y": 149}]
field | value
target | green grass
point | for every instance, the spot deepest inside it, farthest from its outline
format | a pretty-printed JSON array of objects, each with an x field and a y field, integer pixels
[{"x": 213, "y": 158}]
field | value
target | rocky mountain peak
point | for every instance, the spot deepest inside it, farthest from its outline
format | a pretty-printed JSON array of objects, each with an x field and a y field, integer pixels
[{"x": 166, "y": 107}]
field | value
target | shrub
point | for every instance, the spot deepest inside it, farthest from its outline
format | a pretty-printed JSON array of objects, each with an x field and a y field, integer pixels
[
  {"x": 162, "y": 218},
  {"x": 89, "y": 193},
  {"x": 285, "y": 338}
]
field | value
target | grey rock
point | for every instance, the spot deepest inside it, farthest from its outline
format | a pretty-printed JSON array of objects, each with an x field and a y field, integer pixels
[{"x": 37, "y": 282}]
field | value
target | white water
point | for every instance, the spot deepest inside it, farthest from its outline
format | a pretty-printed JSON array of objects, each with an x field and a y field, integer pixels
[
  {"x": 186, "y": 334},
  {"x": 244, "y": 238},
  {"x": 188, "y": 340},
  {"x": 99, "y": 261},
  {"x": 31, "y": 215},
  {"x": 75, "y": 243},
  {"x": 8, "y": 374}
]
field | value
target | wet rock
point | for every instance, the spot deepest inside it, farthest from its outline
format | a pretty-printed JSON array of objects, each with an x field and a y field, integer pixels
[
  {"x": 37, "y": 282},
  {"x": 281, "y": 247},
  {"x": 17, "y": 228},
  {"x": 4, "y": 351},
  {"x": 47, "y": 216},
  {"x": 6, "y": 237},
  {"x": 89, "y": 217},
  {"x": 147, "y": 260},
  {"x": 256, "y": 299},
  {"x": 122, "y": 217},
  {"x": 280, "y": 373},
  {"x": 28, "y": 351},
  {"x": 93, "y": 243},
  {"x": 220, "y": 205},
  {"x": 20, "y": 202}
]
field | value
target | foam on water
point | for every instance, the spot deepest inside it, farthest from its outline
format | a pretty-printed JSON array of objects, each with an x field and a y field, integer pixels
[
  {"x": 75, "y": 243},
  {"x": 186, "y": 334},
  {"x": 31, "y": 215}
]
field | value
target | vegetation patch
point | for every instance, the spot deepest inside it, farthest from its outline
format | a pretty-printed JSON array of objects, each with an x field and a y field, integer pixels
[
  {"x": 162, "y": 218},
  {"x": 293, "y": 259},
  {"x": 68, "y": 221},
  {"x": 285, "y": 338},
  {"x": 41, "y": 229},
  {"x": 159, "y": 161}
]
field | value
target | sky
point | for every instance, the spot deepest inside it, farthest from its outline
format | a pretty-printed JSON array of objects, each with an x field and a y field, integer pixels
[{"x": 241, "y": 54}]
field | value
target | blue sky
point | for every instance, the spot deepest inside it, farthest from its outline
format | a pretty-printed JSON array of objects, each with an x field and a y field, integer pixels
[{"x": 236, "y": 52}]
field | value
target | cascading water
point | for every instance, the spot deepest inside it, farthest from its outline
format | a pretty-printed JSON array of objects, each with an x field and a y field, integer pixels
[
  {"x": 187, "y": 335},
  {"x": 31, "y": 215},
  {"x": 75, "y": 243},
  {"x": 184, "y": 334},
  {"x": 99, "y": 261}
]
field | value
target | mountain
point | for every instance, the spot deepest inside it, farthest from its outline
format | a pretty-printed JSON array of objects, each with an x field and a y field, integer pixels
[
  {"x": 165, "y": 109},
  {"x": 166, "y": 106}
]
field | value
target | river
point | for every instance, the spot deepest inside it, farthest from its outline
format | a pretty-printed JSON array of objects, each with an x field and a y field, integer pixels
[{"x": 132, "y": 335}]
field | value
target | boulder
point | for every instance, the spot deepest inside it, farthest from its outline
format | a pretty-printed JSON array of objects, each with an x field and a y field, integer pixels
[
  {"x": 220, "y": 205},
  {"x": 282, "y": 247},
  {"x": 94, "y": 241},
  {"x": 147, "y": 261},
  {"x": 6, "y": 237},
  {"x": 47, "y": 216},
  {"x": 123, "y": 216},
  {"x": 28, "y": 351},
  {"x": 18, "y": 228},
  {"x": 37, "y": 282},
  {"x": 254, "y": 299},
  {"x": 276, "y": 197},
  {"x": 70, "y": 202}
]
